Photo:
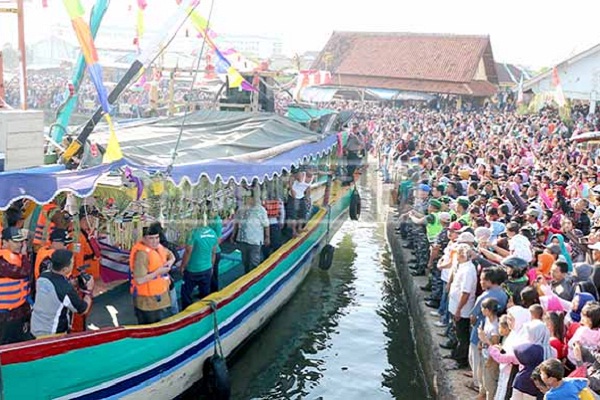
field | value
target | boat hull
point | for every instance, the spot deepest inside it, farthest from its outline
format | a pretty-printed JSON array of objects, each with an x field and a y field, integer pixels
[{"x": 163, "y": 360}]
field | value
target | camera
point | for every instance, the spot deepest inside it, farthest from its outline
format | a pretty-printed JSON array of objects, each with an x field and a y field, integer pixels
[{"x": 83, "y": 278}]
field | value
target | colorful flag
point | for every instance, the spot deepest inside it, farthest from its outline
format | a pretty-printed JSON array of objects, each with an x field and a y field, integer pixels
[
  {"x": 559, "y": 96},
  {"x": 520, "y": 92},
  {"x": 88, "y": 48}
]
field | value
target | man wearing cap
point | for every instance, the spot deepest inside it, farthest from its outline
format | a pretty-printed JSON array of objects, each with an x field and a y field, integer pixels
[
  {"x": 59, "y": 239},
  {"x": 15, "y": 275},
  {"x": 580, "y": 217},
  {"x": 437, "y": 247},
  {"x": 531, "y": 219},
  {"x": 150, "y": 264},
  {"x": 446, "y": 265},
  {"x": 462, "y": 215},
  {"x": 432, "y": 229},
  {"x": 56, "y": 299}
]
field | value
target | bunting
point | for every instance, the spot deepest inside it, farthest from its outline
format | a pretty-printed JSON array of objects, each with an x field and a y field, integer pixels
[
  {"x": 139, "y": 26},
  {"x": 90, "y": 54}
]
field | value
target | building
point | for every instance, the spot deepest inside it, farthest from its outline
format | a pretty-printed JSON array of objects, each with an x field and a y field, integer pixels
[
  {"x": 414, "y": 62},
  {"x": 252, "y": 46},
  {"x": 579, "y": 77},
  {"x": 509, "y": 75}
]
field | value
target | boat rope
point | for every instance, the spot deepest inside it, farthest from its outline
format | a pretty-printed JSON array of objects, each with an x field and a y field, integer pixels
[
  {"x": 191, "y": 89},
  {"x": 218, "y": 347}
]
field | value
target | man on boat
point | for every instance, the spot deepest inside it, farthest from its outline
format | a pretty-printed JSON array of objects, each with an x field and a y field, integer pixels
[
  {"x": 149, "y": 264},
  {"x": 197, "y": 264},
  {"x": 15, "y": 273},
  {"x": 252, "y": 231},
  {"x": 87, "y": 249},
  {"x": 59, "y": 239},
  {"x": 56, "y": 299},
  {"x": 354, "y": 146}
]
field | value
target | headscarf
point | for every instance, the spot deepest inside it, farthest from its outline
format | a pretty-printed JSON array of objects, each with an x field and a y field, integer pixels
[
  {"x": 563, "y": 249},
  {"x": 545, "y": 262},
  {"x": 515, "y": 337},
  {"x": 538, "y": 333},
  {"x": 530, "y": 355},
  {"x": 584, "y": 298}
]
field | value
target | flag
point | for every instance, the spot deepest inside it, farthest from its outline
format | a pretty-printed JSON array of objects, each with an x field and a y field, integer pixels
[
  {"x": 559, "y": 96},
  {"x": 90, "y": 54},
  {"x": 520, "y": 92}
]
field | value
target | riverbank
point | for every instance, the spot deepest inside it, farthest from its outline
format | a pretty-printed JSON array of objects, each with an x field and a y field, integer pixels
[{"x": 445, "y": 383}]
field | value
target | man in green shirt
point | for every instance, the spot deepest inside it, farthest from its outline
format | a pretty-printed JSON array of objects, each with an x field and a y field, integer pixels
[{"x": 197, "y": 264}]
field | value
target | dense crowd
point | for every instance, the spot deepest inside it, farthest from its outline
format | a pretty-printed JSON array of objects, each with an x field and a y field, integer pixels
[
  {"x": 49, "y": 90},
  {"x": 502, "y": 213}
]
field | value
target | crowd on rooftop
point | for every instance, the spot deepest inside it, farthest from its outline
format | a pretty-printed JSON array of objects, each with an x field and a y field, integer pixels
[{"x": 502, "y": 212}]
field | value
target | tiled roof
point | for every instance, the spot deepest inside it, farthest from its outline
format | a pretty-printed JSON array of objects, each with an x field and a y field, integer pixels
[
  {"x": 510, "y": 74},
  {"x": 408, "y": 56},
  {"x": 473, "y": 88}
]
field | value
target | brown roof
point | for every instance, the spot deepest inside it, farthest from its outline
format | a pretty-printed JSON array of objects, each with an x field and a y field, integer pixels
[{"x": 406, "y": 57}]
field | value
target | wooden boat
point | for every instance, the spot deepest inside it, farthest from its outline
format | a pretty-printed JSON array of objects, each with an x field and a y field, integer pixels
[{"x": 162, "y": 360}]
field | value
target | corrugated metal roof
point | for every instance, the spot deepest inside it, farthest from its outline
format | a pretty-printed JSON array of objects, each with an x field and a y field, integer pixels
[{"x": 432, "y": 57}]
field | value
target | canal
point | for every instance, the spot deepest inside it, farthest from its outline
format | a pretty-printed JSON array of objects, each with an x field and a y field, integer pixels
[{"x": 345, "y": 334}]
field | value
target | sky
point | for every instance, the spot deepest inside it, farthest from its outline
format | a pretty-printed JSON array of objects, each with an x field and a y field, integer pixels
[{"x": 531, "y": 33}]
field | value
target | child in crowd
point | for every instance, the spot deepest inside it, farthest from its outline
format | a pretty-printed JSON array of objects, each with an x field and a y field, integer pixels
[
  {"x": 552, "y": 373},
  {"x": 489, "y": 335}
]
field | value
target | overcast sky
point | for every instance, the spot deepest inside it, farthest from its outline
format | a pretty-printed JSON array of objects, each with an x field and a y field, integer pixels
[{"x": 534, "y": 33}]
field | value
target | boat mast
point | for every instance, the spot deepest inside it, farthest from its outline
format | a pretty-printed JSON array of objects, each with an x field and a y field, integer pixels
[{"x": 20, "y": 11}]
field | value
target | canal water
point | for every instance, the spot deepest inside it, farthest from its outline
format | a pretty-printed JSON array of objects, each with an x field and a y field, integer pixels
[{"x": 344, "y": 335}]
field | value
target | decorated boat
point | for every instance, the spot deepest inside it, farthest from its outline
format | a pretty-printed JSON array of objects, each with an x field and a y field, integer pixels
[{"x": 219, "y": 150}]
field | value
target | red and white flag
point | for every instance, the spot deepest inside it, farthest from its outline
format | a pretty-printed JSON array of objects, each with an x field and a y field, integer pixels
[{"x": 559, "y": 96}]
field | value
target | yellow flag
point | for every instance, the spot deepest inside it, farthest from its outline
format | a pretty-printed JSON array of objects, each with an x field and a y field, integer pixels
[
  {"x": 113, "y": 149},
  {"x": 235, "y": 78}
]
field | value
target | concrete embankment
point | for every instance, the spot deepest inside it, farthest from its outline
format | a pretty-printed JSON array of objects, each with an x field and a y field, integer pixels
[{"x": 444, "y": 382}]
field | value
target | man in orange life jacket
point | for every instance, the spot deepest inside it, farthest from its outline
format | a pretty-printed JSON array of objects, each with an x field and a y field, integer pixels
[
  {"x": 59, "y": 239},
  {"x": 149, "y": 264},
  {"x": 15, "y": 273}
]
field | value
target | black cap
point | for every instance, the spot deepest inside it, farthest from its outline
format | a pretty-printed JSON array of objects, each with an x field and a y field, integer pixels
[
  {"x": 14, "y": 234},
  {"x": 61, "y": 236},
  {"x": 61, "y": 258}
]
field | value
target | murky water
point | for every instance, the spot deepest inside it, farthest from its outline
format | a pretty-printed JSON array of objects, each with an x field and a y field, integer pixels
[{"x": 344, "y": 335}]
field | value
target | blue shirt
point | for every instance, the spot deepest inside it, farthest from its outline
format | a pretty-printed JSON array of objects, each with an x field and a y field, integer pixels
[
  {"x": 495, "y": 292},
  {"x": 569, "y": 389}
]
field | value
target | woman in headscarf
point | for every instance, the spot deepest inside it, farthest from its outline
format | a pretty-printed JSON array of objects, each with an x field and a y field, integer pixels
[
  {"x": 529, "y": 355},
  {"x": 538, "y": 333},
  {"x": 504, "y": 355},
  {"x": 560, "y": 240}
]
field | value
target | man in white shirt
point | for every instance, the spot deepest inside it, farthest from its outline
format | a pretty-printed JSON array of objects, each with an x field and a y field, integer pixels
[{"x": 461, "y": 299}]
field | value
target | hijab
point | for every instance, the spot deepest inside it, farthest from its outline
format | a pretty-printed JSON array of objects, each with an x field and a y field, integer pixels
[
  {"x": 530, "y": 355},
  {"x": 584, "y": 298},
  {"x": 538, "y": 333},
  {"x": 521, "y": 316},
  {"x": 563, "y": 249},
  {"x": 545, "y": 262}
]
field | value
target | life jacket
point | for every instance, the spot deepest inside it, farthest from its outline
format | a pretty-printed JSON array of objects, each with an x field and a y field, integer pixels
[
  {"x": 433, "y": 229},
  {"x": 157, "y": 258},
  {"x": 13, "y": 292},
  {"x": 272, "y": 207},
  {"x": 42, "y": 232},
  {"x": 42, "y": 257},
  {"x": 465, "y": 219}
]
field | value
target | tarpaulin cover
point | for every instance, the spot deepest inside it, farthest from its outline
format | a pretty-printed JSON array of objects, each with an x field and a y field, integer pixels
[
  {"x": 226, "y": 145},
  {"x": 303, "y": 115}
]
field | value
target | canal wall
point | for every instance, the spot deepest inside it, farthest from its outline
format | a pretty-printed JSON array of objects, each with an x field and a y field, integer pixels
[{"x": 444, "y": 382}]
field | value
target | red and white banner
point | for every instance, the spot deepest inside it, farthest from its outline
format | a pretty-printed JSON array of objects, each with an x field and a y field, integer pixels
[
  {"x": 308, "y": 78},
  {"x": 559, "y": 96}
]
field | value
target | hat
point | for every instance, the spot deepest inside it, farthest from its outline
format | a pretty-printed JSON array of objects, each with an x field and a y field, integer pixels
[
  {"x": 435, "y": 203},
  {"x": 595, "y": 246},
  {"x": 582, "y": 272},
  {"x": 532, "y": 212},
  {"x": 61, "y": 236},
  {"x": 446, "y": 199},
  {"x": 445, "y": 217},
  {"x": 455, "y": 226},
  {"x": 483, "y": 233},
  {"x": 466, "y": 237},
  {"x": 463, "y": 201},
  {"x": 14, "y": 234},
  {"x": 424, "y": 187}
]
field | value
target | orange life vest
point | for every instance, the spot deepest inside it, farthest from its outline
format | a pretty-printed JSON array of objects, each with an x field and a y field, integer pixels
[
  {"x": 272, "y": 207},
  {"x": 43, "y": 254},
  {"x": 157, "y": 258},
  {"x": 38, "y": 238},
  {"x": 13, "y": 292}
]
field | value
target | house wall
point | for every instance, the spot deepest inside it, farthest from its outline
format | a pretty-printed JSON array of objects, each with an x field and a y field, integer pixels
[
  {"x": 480, "y": 74},
  {"x": 579, "y": 79}
]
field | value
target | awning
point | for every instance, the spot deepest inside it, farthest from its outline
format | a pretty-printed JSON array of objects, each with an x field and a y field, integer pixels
[
  {"x": 384, "y": 94},
  {"x": 225, "y": 145},
  {"x": 303, "y": 115},
  {"x": 318, "y": 94}
]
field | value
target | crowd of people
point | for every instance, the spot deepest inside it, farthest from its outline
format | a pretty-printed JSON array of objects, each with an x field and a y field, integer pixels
[{"x": 502, "y": 212}]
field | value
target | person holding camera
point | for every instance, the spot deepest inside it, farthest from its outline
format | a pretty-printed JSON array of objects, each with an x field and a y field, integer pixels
[{"x": 56, "y": 299}]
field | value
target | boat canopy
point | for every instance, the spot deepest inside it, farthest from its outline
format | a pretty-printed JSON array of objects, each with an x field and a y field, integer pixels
[
  {"x": 304, "y": 115},
  {"x": 214, "y": 144}
]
